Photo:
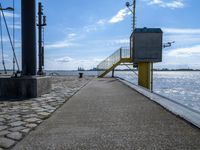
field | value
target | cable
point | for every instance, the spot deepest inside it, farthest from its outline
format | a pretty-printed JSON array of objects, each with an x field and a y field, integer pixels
[
  {"x": 131, "y": 69},
  {"x": 10, "y": 38},
  {"x": 2, "y": 48},
  {"x": 13, "y": 35}
]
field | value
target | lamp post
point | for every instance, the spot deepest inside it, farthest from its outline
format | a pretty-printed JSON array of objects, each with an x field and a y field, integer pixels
[
  {"x": 133, "y": 10},
  {"x": 41, "y": 24}
]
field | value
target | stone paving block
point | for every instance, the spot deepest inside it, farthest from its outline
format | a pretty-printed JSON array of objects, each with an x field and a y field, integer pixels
[
  {"x": 14, "y": 120},
  {"x": 18, "y": 123},
  {"x": 39, "y": 121},
  {"x": 6, "y": 143},
  {"x": 3, "y": 127},
  {"x": 30, "y": 116},
  {"x": 16, "y": 128},
  {"x": 2, "y": 119},
  {"x": 15, "y": 136},
  {"x": 50, "y": 111},
  {"x": 43, "y": 113},
  {"x": 31, "y": 125},
  {"x": 5, "y": 132},
  {"x": 27, "y": 130},
  {"x": 32, "y": 120}
]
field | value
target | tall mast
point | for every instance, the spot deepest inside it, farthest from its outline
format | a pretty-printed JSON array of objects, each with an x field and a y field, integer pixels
[{"x": 134, "y": 15}]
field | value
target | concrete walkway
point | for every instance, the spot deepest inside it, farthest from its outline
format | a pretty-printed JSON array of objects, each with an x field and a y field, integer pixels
[{"x": 108, "y": 115}]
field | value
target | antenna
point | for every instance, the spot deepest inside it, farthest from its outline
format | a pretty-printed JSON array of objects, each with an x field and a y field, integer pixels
[
  {"x": 168, "y": 44},
  {"x": 133, "y": 10}
]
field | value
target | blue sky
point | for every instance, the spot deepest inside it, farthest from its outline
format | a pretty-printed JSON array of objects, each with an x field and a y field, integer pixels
[{"x": 81, "y": 33}]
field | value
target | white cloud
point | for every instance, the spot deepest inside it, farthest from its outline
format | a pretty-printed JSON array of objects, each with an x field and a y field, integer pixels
[
  {"x": 155, "y": 2},
  {"x": 185, "y": 52},
  {"x": 71, "y": 35},
  {"x": 181, "y": 31},
  {"x": 68, "y": 41},
  {"x": 5, "y": 39},
  {"x": 9, "y": 14},
  {"x": 173, "y": 4},
  {"x": 16, "y": 26},
  {"x": 59, "y": 44},
  {"x": 101, "y": 22},
  {"x": 117, "y": 42},
  {"x": 120, "y": 16},
  {"x": 68, "y": 63},
  {"x": 90, "y": 28},
  {"x": 64, "y": 59}
]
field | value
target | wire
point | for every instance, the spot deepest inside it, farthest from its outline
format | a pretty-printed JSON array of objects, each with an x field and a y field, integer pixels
[
  {"x": 2, "y": 47},
  {"x": 13, "y": 35},
  {"x": 131, "y": 69},
  {"x": 9, "y": 36}
]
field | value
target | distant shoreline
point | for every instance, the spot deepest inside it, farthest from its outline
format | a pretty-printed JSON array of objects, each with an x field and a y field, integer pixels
[{"x": 161, "y": 70}]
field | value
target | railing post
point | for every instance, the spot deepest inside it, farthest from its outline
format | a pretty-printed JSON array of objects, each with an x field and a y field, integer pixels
[
  {"x": 120, "y": 53},
  {"x": 113, "y": 73}
]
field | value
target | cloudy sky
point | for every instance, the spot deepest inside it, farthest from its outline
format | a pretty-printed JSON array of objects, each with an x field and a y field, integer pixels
[{"x": 81, "y": 33}]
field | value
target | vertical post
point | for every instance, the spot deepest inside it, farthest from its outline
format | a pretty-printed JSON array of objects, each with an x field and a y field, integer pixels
[
  {"x": 28, "y": 13},
  {"x": 113, "y": 73},
  {"x": 120, "y": 53},
  {"x": 42, "y": 57},
  {"x": 134, "y": 15},
  {"x": 41, "y": 24},
  {"x": 40, "y": 71},
  {"x": 144, "y": 74},
  {"x": 152, "y": 77}
]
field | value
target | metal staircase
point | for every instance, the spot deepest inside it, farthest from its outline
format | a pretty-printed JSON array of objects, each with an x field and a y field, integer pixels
[{"x": 122, "y": 55}]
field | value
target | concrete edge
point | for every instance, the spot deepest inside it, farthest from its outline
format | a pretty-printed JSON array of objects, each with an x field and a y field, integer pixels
[{"x": 176, "y": 108}]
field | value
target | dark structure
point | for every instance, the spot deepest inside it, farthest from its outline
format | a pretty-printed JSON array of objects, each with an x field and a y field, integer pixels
[
  {"x": 41, "y": 24},
  {"x": 28, "y": 85},
  {"x": 28, "y": 14},
  {"x": 146, "y": 45}
]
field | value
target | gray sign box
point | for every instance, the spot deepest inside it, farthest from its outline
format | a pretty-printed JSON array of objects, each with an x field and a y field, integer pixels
[{"x": 146, "y": 45}]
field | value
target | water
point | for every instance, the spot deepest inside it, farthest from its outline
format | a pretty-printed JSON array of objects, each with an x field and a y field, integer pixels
[{"x": 181, "y": 86}]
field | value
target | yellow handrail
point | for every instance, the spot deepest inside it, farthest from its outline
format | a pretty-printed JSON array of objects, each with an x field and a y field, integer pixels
[{"x": 113, "y": 61}]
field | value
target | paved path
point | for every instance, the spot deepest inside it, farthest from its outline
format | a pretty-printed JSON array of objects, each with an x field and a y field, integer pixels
[
  {"x": 18, "y": 118},
  {"x": 108, "y": 115}
]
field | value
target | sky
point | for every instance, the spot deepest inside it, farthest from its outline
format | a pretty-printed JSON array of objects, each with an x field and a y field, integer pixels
[{"x": 82, "y": 33}]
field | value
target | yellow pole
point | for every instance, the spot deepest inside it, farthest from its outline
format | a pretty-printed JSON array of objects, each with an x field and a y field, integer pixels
[{"x": 144, "y": 74}]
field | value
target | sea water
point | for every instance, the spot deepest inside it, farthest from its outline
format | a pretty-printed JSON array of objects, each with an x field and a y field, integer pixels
[{"x": 180, "y": 86}]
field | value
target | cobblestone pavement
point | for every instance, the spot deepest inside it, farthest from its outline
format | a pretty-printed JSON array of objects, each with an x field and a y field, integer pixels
[{"x": 18, "y": 118}]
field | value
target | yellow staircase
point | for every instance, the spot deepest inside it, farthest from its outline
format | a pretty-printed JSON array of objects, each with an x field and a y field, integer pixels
[{"x": 122, "y": 55}]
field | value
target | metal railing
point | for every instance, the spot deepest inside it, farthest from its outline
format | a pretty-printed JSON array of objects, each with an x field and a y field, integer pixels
[{"x": 113, "y": 59}]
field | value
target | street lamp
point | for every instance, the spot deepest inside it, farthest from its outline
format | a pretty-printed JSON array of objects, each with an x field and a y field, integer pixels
[{"x": 133, "y": 10}]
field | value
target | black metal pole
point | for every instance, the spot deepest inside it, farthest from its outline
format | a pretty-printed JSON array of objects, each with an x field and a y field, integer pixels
[
  {"x": 40, "y": 71},
  {"x": 28, "y": 14}
]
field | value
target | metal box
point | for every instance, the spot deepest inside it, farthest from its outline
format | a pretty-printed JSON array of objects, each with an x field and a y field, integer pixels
[{"x": 146, "y": 45}]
